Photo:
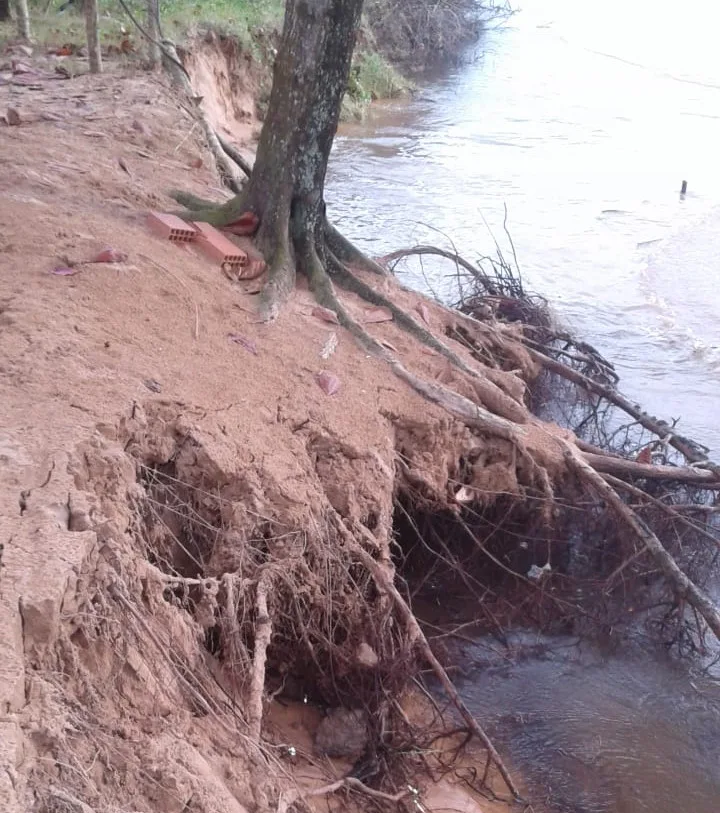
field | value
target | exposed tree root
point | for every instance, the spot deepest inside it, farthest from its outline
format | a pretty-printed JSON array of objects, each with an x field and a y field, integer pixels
[
  {"x": 385, "y": 583},
  {"x": 263, "y": 634}
]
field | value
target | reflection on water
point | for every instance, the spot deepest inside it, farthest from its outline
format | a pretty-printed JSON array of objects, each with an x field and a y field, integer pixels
[
  {"x": 583, "y": 118},
  {"x": 596, "y": 734}
]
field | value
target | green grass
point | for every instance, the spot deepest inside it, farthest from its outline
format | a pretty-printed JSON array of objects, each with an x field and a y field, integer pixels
[
  {"x": 372, "y": 77},
  {"x": 180, "y": 20}
]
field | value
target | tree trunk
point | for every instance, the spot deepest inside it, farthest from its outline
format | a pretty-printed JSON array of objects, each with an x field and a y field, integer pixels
[
  {"x": 22, "y": 15},
  {"x": 286, "y": 189},
  {"x": 4, "y": 10},
  {"x": 152, "y": 24},
  {"x": 92, "y": 20}
]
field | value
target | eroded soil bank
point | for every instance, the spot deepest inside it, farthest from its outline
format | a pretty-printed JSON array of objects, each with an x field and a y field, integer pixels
[{"x": 158, "y": 444}]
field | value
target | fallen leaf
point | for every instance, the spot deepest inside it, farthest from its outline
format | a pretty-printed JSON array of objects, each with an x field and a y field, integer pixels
[
  {"x": 328, "y": 382},
  {"x": 153, "y": 385},
  {"x": 424, "y": 312},
  {"x": 110, "y": 255},
  {"x": 325, "y": 314},
  {"x": 244, "y": 226},
  {"x": 390, "y": 346},
  {"x": 464, "y": 494},
  {"x": 330, "y": 346},
  {"x": 12, "y": 117},
  {"x": 373, "y": 315},
  {"x": 248, "y": 344},
  {"x": 139, "y": 127},
  {"x": 644, "y": 456},
  {"x": 65, "y": 271},
  {"x": 64, "y": 50},
  {"x": 196, "y": 163},
  {"x": 124, "y": 166}
]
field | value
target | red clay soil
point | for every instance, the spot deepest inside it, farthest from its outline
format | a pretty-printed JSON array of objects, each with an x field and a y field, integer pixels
[{"x": 158, "y": 358}]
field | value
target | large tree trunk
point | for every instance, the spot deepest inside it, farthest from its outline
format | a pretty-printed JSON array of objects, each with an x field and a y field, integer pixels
[{"x": 285, "y": 191}]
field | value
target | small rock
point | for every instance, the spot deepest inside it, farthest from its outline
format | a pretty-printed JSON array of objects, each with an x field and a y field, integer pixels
[
  {"x": 366, "y": 656},
  {"x": 12, "y": 117},
  {"x": 343, "y": 733}
]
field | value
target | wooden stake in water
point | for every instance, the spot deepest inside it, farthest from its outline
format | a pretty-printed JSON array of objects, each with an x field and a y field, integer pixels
[{"x": 683, "y": 188}]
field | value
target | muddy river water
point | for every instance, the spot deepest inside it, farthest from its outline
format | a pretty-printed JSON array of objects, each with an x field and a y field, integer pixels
[{"x": 583, "y": 119}]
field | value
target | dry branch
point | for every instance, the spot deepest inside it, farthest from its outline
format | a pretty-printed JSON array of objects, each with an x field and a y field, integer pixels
[
  {"x": 385, "y": 583},
  {"x": 683, "y": 445},
  {"x": 630, "y": 468},
  {"x": 263, "y": 634},
  {"x": 683, "y": 587}
]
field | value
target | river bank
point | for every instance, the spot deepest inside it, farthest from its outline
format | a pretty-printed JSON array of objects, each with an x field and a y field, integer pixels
[{"x": 166, "y": 450}]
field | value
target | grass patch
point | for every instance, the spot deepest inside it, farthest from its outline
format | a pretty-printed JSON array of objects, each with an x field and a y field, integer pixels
[
  {"x": 180, "y": 20},
  {"x": 372, "y": 77}
]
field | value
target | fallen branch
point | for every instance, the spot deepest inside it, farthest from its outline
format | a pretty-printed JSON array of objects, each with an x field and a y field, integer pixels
[
  {"x": 683, "y": 587},
  {"x": 631, "y": 468},
  {"x": 692, "y": 451},
  {"x": 385, "y": 583}
]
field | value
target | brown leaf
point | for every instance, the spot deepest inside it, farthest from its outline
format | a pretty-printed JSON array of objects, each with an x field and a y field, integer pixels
[
  {"x": 109, "y": 255},
  {"x": 374, "y": 315},
  {"x": 248, "y": 344},
  {"x": 244, "y": 226},
  {"x": 328, "y": 382},
  {"x": 12, "y": 117},
  {"x": 139, "y": 127},
  {"x": 65, "y": 271},
  {"x": 124, "y": 166},
  {"x": 196, "y": 163},
  {"x": 325, "y": 314},
  {"x": 424, "y": 312}
]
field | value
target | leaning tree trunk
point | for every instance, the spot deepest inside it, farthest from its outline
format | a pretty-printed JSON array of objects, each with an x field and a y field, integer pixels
[
  {"x": 152, "y": 24},
  {"x": 22, "y": 15},
  {"x": 285, "y": 191}
]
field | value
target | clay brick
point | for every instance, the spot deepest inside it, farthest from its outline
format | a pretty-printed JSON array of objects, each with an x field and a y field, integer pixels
[
  {"x": 171, "y": 228},
  {"x": 216, "y": 246},
  {"x": 256, "y": 265}
]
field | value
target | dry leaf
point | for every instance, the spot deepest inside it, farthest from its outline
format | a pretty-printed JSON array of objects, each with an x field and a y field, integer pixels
[
  {"x": 124, "y": 166},
  {"x": 196, "y": 163},
  {"x": 464, "y": 494},
  {"x": 374, "y": 315},
  {"x": 328, "y": 382},
  {"x": 248, "y": 344},
  {"x": 12, "y": 117},
  {"x": 424, "y": 312},
  {"x": 390, "y": 346},
  {"x": 330, "y": 346},
  {"x": 110, "y": 255},
  {"x": 325, "y": 314},
  {"x": 65, "y": 271},
  {"x": 243, "y": 226}
]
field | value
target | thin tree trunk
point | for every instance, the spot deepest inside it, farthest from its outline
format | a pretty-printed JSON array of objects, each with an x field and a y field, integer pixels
[
  {"x": 153, "y": 28},
  {"x": 4, "y": 10},
  {"x": 23, "y": 19},
  {"x": 92, "y": 21}
]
